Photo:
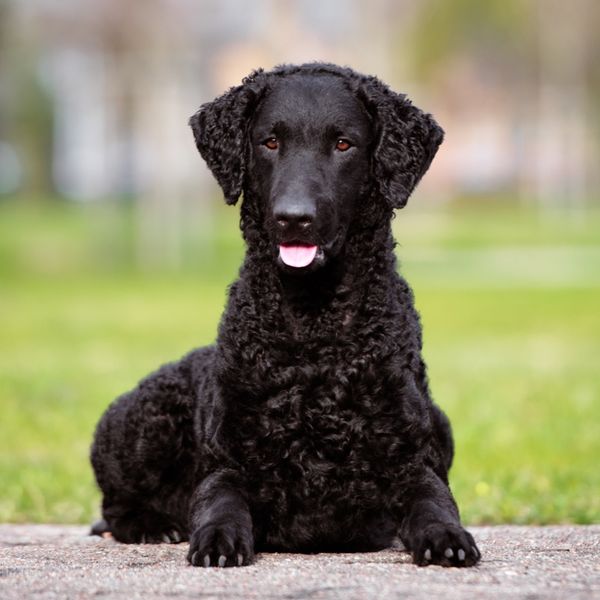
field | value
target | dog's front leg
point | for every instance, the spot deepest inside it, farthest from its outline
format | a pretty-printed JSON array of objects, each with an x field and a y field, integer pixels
[
  {"x": 431, "y": 528},
  {"x": 220, "y": 523}
]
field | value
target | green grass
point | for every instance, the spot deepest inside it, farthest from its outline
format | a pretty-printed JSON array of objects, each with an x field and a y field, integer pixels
[{"x": 509, "y": 304}]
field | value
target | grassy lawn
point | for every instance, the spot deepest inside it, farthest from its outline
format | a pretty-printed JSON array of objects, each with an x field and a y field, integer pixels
[{"x": 509, "y": 302}]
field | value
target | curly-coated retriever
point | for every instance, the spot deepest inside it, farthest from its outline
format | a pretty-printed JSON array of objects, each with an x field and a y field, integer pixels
[{"x": 308, "y": 426}]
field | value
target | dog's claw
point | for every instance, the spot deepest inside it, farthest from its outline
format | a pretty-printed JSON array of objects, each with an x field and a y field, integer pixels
[
  {"x": 206, "y": 560},
  {"x": 240, "y": 560},
  {"x": 175, "y": 537},
  {"x": 427, "y": 554},
  {"x": 222, "y": 560},
  {"x": 165, "y": 538},
  {"x": 449, "y": 553},
  {"x": 461, "y": 555}
]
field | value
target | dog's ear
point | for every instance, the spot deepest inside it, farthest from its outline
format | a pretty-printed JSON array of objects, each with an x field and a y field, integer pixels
[
  {"x": 220, "y": 129},
  {"x": 408, "y": 140}
]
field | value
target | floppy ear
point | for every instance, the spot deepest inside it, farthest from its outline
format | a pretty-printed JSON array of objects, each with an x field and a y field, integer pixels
[
  {"x": 220, "y": 130},
  {"x": 408, "y": 141}
]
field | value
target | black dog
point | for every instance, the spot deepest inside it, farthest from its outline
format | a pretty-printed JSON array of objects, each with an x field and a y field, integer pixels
[{"x": 309, "y": 425}]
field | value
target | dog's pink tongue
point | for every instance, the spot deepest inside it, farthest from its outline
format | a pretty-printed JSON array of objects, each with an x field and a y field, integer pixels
[{"x": 297, "y": 256}]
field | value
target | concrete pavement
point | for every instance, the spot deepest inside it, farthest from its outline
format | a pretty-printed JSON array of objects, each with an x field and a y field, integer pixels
[{"x": 56, "y": 561}]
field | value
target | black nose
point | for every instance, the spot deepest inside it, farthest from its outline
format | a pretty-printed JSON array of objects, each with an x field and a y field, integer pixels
[{"x": 294, "y": 214}]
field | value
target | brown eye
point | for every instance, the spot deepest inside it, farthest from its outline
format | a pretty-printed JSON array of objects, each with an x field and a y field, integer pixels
[
  {"x": 272, "y": 143},
  {"x": 342, "y": 145}
]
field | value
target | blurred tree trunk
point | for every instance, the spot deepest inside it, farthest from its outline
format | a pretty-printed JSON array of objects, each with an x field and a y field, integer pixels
[
  {"x": 563, "y": 118},
  {"x": 33, "y": 135},
  {"x": 26, "y": 107}
]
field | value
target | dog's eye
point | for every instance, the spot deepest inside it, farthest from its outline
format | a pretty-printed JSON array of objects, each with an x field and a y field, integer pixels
[
  {"x": 342, "y": 145},
  {"x": 272, "y": 143}
]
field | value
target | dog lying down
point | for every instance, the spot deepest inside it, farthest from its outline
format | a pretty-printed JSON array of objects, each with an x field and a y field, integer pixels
[{"x": 308, "y": 426}]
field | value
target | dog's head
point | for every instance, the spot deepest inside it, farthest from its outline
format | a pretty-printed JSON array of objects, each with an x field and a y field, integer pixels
[{"x": 311, "y": 145}]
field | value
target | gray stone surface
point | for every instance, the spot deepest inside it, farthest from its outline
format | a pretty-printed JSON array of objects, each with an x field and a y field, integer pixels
[{"x": 47, "y": 561}]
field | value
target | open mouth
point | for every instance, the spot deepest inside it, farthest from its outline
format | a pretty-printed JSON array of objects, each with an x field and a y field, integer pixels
[{"x": 297, "y": 255}]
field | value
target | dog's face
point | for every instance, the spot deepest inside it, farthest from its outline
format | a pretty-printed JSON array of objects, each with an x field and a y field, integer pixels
[{"x": 308, "y": 144}]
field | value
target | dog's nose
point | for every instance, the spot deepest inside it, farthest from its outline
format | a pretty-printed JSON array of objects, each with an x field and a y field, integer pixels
[{"x": 294, "y": 214}]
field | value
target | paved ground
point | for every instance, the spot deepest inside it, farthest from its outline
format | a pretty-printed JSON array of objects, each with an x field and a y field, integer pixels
[{"x": 46, "y": 561}]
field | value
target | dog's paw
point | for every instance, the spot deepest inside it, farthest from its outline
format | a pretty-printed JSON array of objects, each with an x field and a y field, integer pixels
[
  {"x": 147, "y": 528},
  {"x": 168, "y": 536},
  {"x": 227, "y": 544},
  {"x": 445, "y": 545}
]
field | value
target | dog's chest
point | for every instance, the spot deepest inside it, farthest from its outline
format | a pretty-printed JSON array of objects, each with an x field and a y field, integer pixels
[{"x": 323, "y": 436}]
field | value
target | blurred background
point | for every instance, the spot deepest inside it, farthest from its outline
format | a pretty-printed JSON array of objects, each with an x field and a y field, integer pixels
[{"x": 116, "y": 248}]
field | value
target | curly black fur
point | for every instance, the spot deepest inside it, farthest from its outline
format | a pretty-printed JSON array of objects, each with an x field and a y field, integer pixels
[{"x": 309, "y": 425}]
